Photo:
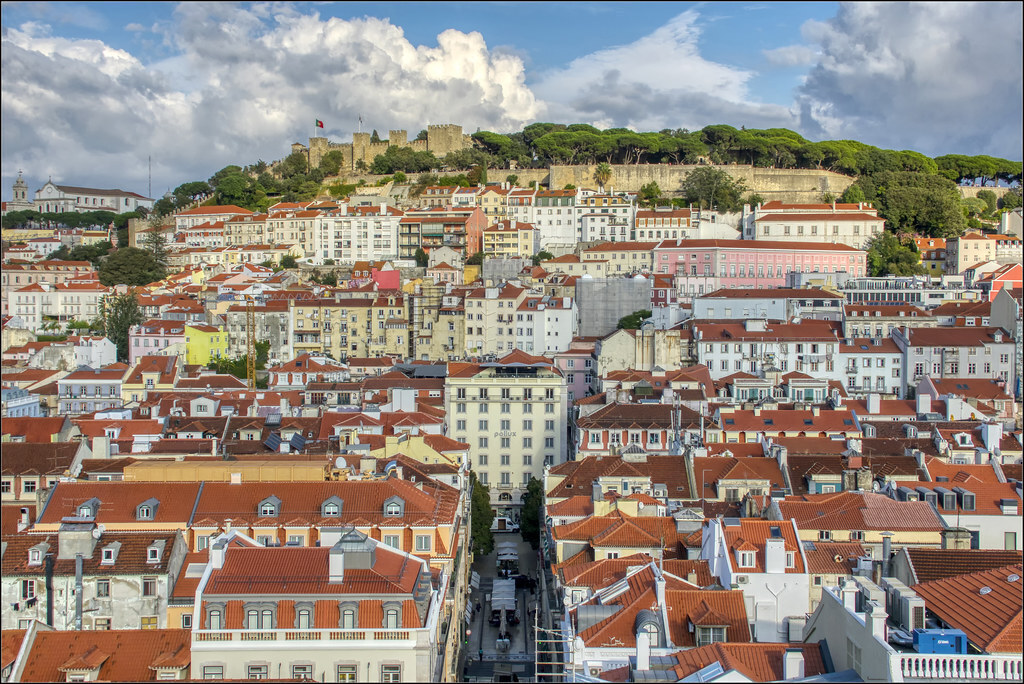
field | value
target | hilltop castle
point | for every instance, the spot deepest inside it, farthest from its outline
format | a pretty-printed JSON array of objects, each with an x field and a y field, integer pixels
[{"x": 441, "y": 139}]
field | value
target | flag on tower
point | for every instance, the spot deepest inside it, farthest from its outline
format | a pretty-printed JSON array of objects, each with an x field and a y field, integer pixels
[{"x": 319, "y": 123}]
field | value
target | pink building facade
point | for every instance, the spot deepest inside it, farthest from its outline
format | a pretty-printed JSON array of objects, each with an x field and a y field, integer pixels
[
  {"x": 702, "y": 266},
  {"x": 152, "y": 336}
]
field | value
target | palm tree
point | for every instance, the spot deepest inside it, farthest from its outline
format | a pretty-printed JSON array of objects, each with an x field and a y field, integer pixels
[{"x": 602, "y": 174}]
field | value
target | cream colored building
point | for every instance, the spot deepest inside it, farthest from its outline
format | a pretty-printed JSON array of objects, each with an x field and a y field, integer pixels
[
  {"x": 245, "y": 229},
  {"x": 975, "y": 248},
  {"x": 513, "y": 415},
  {"x": 511, "y": 239},
  {"x": 358, "y": 327},
  {"x": 622, "y": 257}
]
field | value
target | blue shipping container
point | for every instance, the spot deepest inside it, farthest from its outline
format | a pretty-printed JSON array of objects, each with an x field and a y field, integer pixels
[{"x": 940, "y": 641}]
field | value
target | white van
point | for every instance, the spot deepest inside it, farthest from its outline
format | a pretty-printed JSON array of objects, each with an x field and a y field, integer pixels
[{"x": 504, "y": 525}]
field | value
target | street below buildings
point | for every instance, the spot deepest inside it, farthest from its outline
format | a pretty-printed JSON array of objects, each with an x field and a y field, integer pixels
[{"x": 482, "y": 657}]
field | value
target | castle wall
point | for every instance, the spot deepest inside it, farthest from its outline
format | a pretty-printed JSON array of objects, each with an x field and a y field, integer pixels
[{"x": 789, "y": 185}]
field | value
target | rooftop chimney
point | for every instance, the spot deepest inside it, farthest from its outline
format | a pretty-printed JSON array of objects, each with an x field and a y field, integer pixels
[
  {"x": 643, "y": 651},
  {"x": 924, "y": 403},
  {"x": 874, "y": 404},
  {"x": 793, "y": 664},
  {"x": 336, "y": 564}
]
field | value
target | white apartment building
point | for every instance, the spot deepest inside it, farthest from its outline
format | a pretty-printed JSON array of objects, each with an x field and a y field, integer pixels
[
  {"x": 848, "y": 224},
  {"x": 982, "y": 353},
  {"x": 545, "y": 325},
  {"x": 513, "y": 414},
  {"x": 763, "y": 348},
  {"x": 872, "y": 364},
  {"x": 351, "y": 234}
]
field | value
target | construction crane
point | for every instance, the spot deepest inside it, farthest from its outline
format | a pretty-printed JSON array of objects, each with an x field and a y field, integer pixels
[{"x": 250, "y": 342}]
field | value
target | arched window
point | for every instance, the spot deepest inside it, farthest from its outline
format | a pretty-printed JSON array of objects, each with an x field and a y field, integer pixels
[
  {"x": 215, "y": 621},
  {"x": 348, "y": 619},
  {"x": 268, "y": 509},
  {"x": 393, "y": 509},
  {"x": 266, "y": 619},
  {"x": 145, "y": 513},
  {"x": 85, "y": 512},
  {"x": 304, "y": 619},
  {"x": 391, "y": 619},
  {"x": 505, "y": 496},
  {"x": 252, "y": 619},
  {"x": 331, "y": 510}
]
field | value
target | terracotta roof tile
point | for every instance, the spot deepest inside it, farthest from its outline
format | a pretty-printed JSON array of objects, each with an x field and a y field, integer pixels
[
  {"x": 122, "y": 655},
  {"x": 760, "y": 662},
  {"x": 34, "y": 458},
  {"x": 118, "y": 501},
  {"x": 991, "y": 619},
  {"x": 859, "y": 511},
  {"x": 936, "y": 564}
]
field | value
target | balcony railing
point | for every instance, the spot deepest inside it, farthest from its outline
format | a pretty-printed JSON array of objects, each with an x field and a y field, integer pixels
[
  {"x": 284, "y": 635},
  {"x": 961, "y": 667}
]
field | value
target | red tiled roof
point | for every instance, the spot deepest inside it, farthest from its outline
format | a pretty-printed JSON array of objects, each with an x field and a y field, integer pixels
[
  {"x": 859, "y": 511},
  {"x": 991, "y": 619},
  {"x": 37, "y": 458},
  {"x": 303, "y": 570},
  {"x": 130, "y": 654},
  {"x": 821, "y": 560},
  {"x": 118, "y": 501},
  {"x": 934, "y": 564},
  {"x": 760, "y": 662}
]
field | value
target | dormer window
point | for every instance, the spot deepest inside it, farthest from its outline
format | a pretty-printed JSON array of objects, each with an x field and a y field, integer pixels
[
  {"x": 790, "y": 559},
  {"x": 394, "y": 507},
  {"x": 155, "y": 551},
  {"x": 146, "y": 510},
  {"x": 746, "y": 559},
  {"x": 331, "y": 508},
  {"x": 89, "y": 508},
  {"x": 109, "y": 554},
  {"x": 710, "y": 635},
  {"x": 35, "y": 556},
  {"x": 270, "y": 507}
]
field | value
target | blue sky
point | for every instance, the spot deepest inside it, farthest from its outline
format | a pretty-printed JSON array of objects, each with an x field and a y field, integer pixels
[{"x": 90, "y": 90}]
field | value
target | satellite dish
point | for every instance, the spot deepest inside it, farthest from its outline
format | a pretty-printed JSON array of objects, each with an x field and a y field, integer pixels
[
  {"x": 578, "y": 645},
  {"x": 567, "y": 601},
  {"x": 98, "y": 531}
]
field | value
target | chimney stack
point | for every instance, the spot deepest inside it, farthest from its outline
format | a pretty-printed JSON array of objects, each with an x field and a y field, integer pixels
[
  {"x": 336, "y": 564},
  {"x": 793, "y": 664}
]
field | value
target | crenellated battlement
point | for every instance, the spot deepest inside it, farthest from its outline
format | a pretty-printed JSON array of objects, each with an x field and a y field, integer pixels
[{"x": 441, "y": 140}]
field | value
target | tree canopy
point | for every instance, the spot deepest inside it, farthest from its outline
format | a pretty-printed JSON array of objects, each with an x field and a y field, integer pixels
[
  {"x": 634, "y": 320},
  {"x": 886, "y": 255},
  {"x": 711, "y": 187},
  {"x": 130, "y": 266},
  {"x": 481, "y": 516},
  {"x": 120, "y": 314}
]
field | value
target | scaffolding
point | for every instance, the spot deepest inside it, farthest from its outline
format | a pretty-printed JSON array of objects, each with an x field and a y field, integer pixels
[
  {"x": 603, "y": 301},
  {"x": 550, "y": 647}
]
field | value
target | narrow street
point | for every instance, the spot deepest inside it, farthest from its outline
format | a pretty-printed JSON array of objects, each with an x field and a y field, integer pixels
[{"x": 482, "y": 655}]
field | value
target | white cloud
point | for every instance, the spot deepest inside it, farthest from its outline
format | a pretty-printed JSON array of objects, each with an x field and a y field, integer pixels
[
  {"x": 247, "y": 83},
  {"x": 135, "y": 27},
  {"x": 791, "y": 56},
  {"x": 658, "y": 81},
  {"x": 933, "y": 77}
]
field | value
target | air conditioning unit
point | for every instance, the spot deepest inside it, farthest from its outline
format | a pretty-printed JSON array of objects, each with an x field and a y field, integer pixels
[
  {"x": 912, "y": 612},
  {"x": 742, "y": 579}
]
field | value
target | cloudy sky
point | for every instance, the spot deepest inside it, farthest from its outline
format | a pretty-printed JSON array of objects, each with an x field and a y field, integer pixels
[{"x": 90, "y": 91}]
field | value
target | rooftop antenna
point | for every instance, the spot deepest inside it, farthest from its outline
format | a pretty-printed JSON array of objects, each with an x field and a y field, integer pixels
[{"x": 150, "y": 191}]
